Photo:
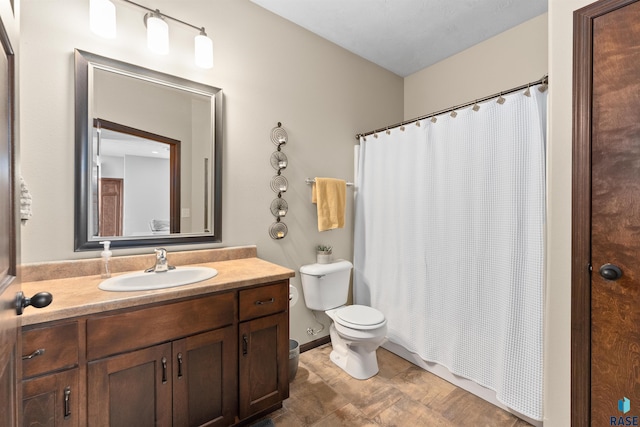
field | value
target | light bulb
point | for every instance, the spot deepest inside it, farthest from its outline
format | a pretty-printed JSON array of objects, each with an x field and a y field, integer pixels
[
  {"x": 203, "y": 50},
  {"x": 102, "y": 18},
  {"x": 157, "y": 33}
]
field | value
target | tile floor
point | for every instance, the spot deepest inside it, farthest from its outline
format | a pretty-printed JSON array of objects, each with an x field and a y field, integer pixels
[{"x": 322, "y": 395}]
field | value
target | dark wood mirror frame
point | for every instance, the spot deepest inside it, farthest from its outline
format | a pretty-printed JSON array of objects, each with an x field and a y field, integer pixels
[{"x": 83, "y": 125}]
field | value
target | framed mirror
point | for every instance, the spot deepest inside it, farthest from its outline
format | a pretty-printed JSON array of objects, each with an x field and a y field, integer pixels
[{"x": 148, "y": 156}]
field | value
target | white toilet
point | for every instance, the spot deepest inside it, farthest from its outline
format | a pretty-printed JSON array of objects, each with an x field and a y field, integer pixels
[{"x": 357, "y": 330}]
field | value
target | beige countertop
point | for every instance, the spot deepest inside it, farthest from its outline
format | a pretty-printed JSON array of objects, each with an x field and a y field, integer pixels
[{"x": 80, "y": 296}]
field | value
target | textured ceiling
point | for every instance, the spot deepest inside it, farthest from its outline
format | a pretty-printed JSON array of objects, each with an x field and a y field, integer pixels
[{"x": 405, "y": 36}]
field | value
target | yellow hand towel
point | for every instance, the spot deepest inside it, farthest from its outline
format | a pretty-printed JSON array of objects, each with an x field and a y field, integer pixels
[{"x": 331, "y": 197}]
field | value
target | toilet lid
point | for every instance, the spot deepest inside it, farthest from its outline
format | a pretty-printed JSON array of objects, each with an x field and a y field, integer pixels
[{"x": 359, "y": 317}]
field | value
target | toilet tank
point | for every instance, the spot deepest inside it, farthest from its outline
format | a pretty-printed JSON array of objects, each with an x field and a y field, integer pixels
[{"x": 326, "y": 286}]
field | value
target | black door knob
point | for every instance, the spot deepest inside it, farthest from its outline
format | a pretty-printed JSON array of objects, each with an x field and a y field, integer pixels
[
  {"x": 610, "y": 272},
  {"x": 39, "y": 300}
]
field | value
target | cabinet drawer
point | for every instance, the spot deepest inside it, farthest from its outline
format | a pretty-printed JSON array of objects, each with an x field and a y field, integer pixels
[
  {"x": 116, "y": 333},
  {"x": 49, "y": 349},
  {"x": 264, "y": 300}
]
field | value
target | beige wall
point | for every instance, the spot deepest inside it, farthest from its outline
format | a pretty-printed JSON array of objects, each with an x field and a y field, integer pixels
[
  {"x": 510, "y": 59},
  {"x": 269, "y": 69}
]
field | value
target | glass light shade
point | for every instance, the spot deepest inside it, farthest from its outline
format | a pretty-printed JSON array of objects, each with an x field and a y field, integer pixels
[
  {"x": 102, "y": 18},
  {"x": 203, "y": 51},
  {"x": 157, "y": 35}
]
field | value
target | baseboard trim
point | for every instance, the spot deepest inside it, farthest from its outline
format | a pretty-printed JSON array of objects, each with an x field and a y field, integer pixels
[{"x": 315, "y": 343}]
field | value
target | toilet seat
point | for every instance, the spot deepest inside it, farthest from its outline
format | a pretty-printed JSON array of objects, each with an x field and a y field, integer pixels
[{"x": 359, "y": 317}]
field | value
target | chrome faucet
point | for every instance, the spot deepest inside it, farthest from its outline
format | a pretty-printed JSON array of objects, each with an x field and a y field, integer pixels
[{"x": 161, "y": 262}]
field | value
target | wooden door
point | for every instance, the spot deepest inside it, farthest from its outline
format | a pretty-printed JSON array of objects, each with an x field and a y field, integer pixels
[
  {"x": 606, "y": 215},
  {"x": 110, "y": 207},
  {"x": 9, "y": 343},
  {"x": 205, "y": 389},
  {"x": 132, "y": 389},
  {"x": 264, "y": 375}
]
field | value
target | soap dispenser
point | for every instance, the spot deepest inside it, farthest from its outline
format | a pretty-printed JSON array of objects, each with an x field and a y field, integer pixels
[{"x": 106, "y": 254}]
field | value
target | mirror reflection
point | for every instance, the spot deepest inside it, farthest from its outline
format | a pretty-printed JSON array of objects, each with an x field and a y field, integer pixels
[
  {"x": 146, "y": 168},
  {"x": 148, "y": 156}
]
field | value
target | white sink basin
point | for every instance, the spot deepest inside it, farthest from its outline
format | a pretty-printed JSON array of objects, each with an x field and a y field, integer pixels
[{"x": 147, "y": 281}]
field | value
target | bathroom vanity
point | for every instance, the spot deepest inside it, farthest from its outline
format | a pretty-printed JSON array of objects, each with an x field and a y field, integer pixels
[{"x": 212, "y": 353}]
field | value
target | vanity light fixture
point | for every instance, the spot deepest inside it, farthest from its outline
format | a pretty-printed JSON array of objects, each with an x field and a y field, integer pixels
[
  {"x": 103, "y": 15},
  {"x": 102, "y": 18},
  {"x": 203, "y": 50},
  {"x": 157, "y": 32}
]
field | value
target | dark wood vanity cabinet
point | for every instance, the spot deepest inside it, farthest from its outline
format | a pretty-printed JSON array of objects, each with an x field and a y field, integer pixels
[
  {"x": 189, "y": 382},
  {"x": 214, "y": 360},
  {"x": 50, "y": 370},
  {"x": 264, "y": 348},
  {"x": 188, "y": 378}
]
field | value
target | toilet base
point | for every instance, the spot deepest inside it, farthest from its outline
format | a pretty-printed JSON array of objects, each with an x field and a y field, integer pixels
[{"x": 356, "y": 360}]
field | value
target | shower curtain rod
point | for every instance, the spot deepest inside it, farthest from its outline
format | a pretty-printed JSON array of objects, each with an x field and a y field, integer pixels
[{"x": 544, "y": 81}]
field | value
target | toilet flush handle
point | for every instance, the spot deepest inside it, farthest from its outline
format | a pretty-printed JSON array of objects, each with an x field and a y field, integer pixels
[{"x": 319, "y": 276}]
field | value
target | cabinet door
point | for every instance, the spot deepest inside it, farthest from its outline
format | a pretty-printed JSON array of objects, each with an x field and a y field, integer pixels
[
  {"x": 132, "y": 389},
  {"x": 51, "y": 400},
  {"x": 264, "y": 361},
  {"x": 204, "y": 379}
]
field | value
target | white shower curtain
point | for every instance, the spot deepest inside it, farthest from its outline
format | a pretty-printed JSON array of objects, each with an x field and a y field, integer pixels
[{"x": 449, "y": 242}]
